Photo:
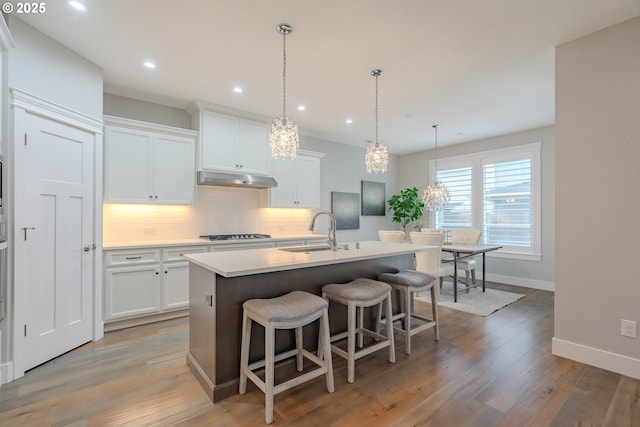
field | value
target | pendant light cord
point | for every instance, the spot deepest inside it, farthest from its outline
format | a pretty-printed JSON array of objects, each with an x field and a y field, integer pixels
[
  {"x": 284, "y": 74},
  {"x": 436, "y": 128}
]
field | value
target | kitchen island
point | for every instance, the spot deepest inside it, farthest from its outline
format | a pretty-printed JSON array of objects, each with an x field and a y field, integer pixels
[{"x": 220, "y": 282}]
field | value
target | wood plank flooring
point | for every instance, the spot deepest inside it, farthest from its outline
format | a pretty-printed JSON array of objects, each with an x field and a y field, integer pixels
[{"x": 484, "y": 371}]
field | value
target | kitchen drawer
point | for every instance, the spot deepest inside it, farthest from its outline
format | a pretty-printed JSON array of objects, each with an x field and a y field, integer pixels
[
  {"x": 131, "y": 257},
  {"x": 175, "y": 254}
]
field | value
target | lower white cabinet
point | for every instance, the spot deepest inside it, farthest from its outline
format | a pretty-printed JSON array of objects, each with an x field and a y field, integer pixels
[
  {"x": 144, "y": 282},
  {"x": 131, "y": 291}
]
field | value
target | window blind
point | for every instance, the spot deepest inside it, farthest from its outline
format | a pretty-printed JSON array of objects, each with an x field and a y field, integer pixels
[{"x": 507, "y": 203}]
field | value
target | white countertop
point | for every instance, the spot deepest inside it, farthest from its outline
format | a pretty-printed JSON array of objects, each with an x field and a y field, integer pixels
[
  {"x": 255, "y": 261},
  {"x": 195, "y": 242}
]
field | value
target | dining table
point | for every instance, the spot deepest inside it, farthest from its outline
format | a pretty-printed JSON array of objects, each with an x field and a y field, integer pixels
[{"x": 461, "y": 251}]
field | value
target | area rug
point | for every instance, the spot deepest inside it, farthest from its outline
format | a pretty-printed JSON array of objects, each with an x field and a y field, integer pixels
[{"x": 474, "y": 302}]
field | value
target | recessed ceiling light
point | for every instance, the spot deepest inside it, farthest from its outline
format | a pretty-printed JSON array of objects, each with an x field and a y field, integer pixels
[
  {"x": 237, "y": 89},
  {"x": 348, "y": 121},
  {"x": 77, "y": 5},
  {"x": 150, "y": 65},
  {"x": 301, "y": 107}
]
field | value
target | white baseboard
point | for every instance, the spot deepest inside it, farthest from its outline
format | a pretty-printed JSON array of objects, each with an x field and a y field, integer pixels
[
  {"x": 6, "y": 372},
  {"x": 613, "y": 362},
  {"x": 521, "y": 281}
]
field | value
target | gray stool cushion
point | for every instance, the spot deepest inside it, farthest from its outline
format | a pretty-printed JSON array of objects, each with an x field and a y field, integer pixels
[
  {"x": 408, "y": 278},
  {"x": 288, "y": 307},
  {"x": 357, "y": 290}
]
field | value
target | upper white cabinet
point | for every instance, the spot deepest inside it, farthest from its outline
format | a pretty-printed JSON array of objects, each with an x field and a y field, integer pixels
[
  {"x": 232, "y": 144},
  {"x": 298, "y": 181},
  {"x": 148, "y": 163}
]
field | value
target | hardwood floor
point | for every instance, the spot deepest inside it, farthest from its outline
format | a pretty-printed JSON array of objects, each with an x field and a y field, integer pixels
[{"x": 484, "y": 371}]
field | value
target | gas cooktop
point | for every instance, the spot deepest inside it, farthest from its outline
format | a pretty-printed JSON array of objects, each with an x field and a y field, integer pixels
[{"x": 235, "y": 236}]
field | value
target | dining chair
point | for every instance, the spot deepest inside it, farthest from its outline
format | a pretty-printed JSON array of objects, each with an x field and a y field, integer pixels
[
  {"x": 467, "y": 237},
  {"x": 430, "y": 261},
  {"x": 391, "y": 236}
]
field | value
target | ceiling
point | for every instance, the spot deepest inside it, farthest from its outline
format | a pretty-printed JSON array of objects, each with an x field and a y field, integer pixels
[{"x": 478, "y": 68}]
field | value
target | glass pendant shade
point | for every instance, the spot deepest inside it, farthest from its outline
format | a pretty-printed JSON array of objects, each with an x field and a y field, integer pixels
[
  {"x": 436, "y": 197},
  {"x": 284, "y": 139},
  {"x": 377, "y": 156}
]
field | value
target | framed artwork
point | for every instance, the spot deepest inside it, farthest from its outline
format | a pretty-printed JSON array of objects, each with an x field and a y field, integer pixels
[
  {"x": 373, "y": 200},
  {"x": 346, "y": 208}
]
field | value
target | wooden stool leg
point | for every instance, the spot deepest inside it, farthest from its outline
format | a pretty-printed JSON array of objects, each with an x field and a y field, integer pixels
[
  {"x": 244, "y": 352},
  {"x": 325, "y": 339},
  {"x": 434, "y": 309},
  {"x": 351, "y": 342},
  {"x": 269, "y": 354},
  {"x": 407, "y": 320},
  {"x": 299, "y": 356},
  {"x": 378, "y": 318},
  {"x": 360, "y": 311},
  {"x": 389, "y": 314}
]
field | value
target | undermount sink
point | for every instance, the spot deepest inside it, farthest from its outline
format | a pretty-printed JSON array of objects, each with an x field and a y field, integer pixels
[{"x": 308, "y": 248}]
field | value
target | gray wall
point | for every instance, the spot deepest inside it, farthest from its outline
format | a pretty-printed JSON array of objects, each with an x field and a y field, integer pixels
[
  {"x": 597, "y": 203},
  {"x": 43, "y": 67},
  {"x": 121, "y": 106},
  {"x": 343, "y": 169},
  {"x": 414, "y": 171}
]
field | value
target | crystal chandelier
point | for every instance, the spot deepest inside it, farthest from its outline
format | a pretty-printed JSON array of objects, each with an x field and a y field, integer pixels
[
  {"x": 377, "y": 157},
  {"x": 284, "y": 138},
  {"x": 436, "y": 196}
]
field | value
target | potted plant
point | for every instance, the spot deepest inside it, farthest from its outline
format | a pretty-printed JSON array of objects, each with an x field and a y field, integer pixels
[{"x": 406, "y": 206}]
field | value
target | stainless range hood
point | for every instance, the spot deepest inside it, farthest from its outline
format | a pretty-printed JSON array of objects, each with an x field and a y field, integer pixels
[{"x": 222, "y": 179}]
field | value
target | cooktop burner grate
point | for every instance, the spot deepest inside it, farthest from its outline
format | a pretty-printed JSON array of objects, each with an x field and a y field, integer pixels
[{"x": 235, "y": 236}]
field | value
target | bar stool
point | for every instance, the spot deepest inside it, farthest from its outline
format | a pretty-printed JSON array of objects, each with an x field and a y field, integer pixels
[
  {"x": 357, "y": 295},
  {"x": 293, "y": 310},
  {"x": 409, "y": 282}
]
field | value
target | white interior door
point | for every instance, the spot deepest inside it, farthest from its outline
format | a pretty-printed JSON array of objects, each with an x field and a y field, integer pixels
[{"x": 53, "y": 225}]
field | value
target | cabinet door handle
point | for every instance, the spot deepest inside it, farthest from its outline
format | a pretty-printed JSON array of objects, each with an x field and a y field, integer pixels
[
  {"x": 133, "y": 257},
  {"x": 165, "y": 272},
  {"x": 157, "y": 272},
  {"x": 150, "y": 196}
]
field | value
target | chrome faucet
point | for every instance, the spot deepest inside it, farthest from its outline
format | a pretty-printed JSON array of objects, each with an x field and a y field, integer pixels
[{"x": 331, "y": 238}]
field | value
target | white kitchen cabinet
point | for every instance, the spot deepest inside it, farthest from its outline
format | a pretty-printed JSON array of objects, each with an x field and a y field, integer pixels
[
  {"x": 232, "y": 144},
  {"x": 131, "y": 284},
  {"x": 148, "y": 163},
  {"x": 146, "y": 284},
  {"x": 298, "y": 181}
]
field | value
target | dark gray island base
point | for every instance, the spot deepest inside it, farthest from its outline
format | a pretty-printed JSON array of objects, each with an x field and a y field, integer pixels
[{"x": 215, "y": 320}]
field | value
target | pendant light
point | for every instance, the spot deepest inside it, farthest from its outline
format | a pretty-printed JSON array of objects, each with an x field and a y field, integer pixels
[
  {"x": 284, "y": 139},
  {"x": 436, "y": 196},
  {"x": 377, "y": 157}
]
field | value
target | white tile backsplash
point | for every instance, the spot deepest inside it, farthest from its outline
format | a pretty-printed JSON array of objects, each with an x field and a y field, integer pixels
[{"x": 219, "y": 210}]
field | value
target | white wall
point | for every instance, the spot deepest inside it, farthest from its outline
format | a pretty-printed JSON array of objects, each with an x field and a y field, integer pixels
[
  {"x": 413, "y": 171},
  {"x": 597, "y": 203}
]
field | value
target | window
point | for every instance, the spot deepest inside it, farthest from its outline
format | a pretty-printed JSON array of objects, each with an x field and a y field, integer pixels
[{"x": 497, "y": 192}]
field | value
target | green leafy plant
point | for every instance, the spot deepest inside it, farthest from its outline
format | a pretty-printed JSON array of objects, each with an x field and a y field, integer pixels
[{"x": 406, "y": 206}]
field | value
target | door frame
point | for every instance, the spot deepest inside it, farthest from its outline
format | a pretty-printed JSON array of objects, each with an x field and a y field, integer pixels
[{"x": 23, "y": 103}]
